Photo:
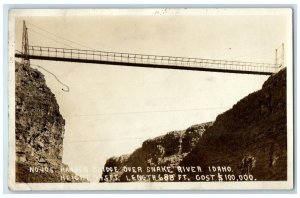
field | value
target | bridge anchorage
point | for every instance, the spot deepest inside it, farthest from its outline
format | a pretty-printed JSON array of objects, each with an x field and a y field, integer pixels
[{"x": 150, "y": 61}]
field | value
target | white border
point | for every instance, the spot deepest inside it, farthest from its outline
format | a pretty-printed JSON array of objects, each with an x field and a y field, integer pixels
[{"x": 142, "y": 186}]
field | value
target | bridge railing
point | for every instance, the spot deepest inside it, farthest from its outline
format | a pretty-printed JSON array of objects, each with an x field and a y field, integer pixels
[{"x": 150, "y": 59}]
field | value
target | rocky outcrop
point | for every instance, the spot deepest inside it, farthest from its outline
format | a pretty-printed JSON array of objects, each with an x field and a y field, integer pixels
[
  {"x": 250, "y": 138},
  {"x": 39, "y": 130},
  {"x": 169, "y": 149}
]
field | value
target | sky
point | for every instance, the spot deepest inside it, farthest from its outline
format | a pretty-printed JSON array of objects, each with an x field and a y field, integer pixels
[{"x": 111, "y": 110}]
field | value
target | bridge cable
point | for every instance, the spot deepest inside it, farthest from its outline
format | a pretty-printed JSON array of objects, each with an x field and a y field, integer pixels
[
  {"x": 246, "y": 57},
  {"x": 61, "y": 37},
  {"x": 105, "y": 140},
  {"x": 66, "y": 86},
  {"x": 144, "y": 112},
  {"x": 50, "y": 38}
]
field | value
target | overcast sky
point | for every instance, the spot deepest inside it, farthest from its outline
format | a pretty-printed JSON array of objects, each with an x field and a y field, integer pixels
[{"x": 111, "y": 110}]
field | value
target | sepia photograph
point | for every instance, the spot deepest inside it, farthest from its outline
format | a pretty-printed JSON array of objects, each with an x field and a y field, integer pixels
[{"x": 151, "y": 99}]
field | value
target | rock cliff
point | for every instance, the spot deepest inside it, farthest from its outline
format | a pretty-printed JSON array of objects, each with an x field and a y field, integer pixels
[
  {"x": 39, "y": 130},
  {"x": 166, "y": 150},
  {"x": 250, "y": 138}
]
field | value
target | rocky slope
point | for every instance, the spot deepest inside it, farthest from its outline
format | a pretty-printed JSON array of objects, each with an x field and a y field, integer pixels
[
  {"x": 166, "y": 150},
  {"x": 39, "y": 130},
  {"x": 250, "y": 138}
]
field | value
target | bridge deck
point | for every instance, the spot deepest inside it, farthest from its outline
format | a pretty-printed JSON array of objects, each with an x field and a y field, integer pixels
[{"x": 152, "y": 61}]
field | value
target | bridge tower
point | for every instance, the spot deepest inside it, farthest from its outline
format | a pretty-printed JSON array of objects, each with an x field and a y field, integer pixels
[
  {"x": 279, "y": 56},
  {"x": 25, "y": 45}
]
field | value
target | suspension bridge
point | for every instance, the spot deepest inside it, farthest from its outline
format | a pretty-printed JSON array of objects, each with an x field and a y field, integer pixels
[{"x": 147, "y": 61}]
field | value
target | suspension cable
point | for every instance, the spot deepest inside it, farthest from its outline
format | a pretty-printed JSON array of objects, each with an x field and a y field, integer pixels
[
  {"x": 66, "y": 86},
  {"x": 60, "y": 37}
]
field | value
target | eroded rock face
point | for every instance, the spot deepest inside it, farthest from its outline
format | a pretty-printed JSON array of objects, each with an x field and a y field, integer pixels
[
  {"x": 251, "y": 137},
  {"x": 166, "y": 150},
  {"x": 39, "y": 129}
]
